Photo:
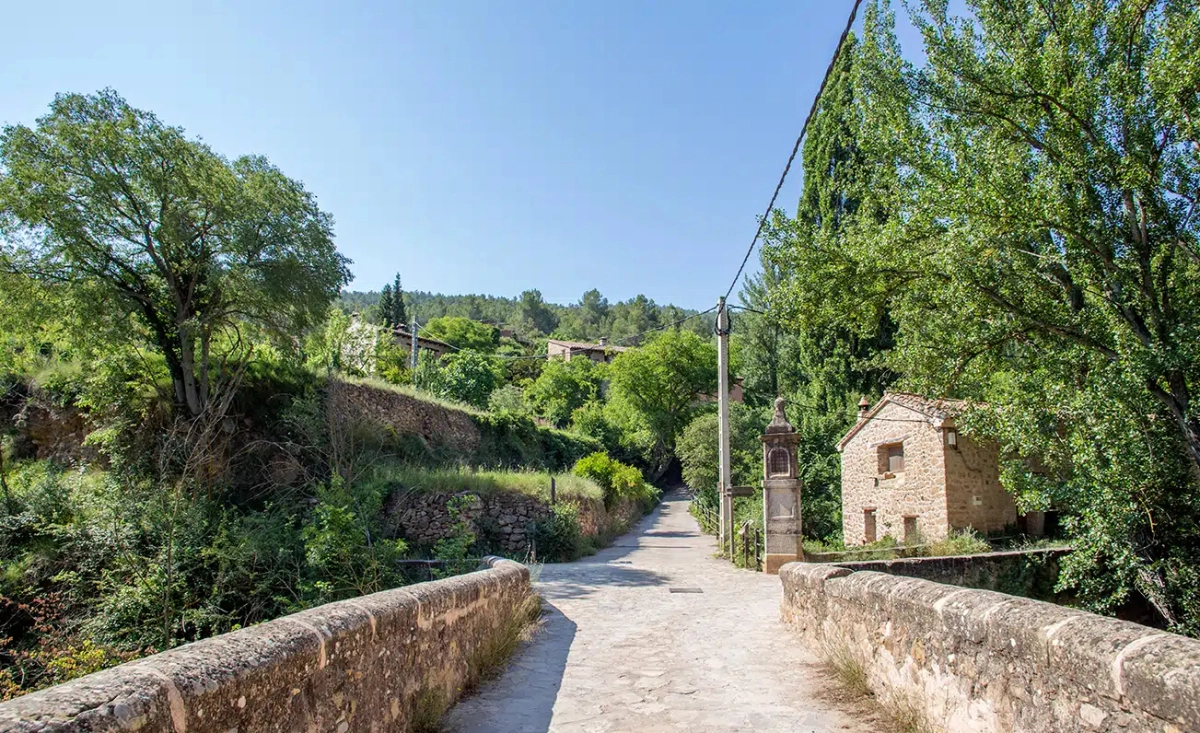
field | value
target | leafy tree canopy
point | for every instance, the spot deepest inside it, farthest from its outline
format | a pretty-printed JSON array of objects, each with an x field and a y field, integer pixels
[
  {"x": 661, "y": 385},
  {"x": 1040, "y": 253},
  {"x": 464, "y": 333},
  {"x": 563, "y": 387},
  {"x": 107, "y": 197}
]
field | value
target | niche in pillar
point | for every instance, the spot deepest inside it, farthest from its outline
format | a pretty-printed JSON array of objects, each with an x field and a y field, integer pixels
[{"x": 781, "y": 493}]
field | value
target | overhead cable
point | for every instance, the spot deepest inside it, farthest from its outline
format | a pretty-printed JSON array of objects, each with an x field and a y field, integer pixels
[{"x": 796, "y": 148}]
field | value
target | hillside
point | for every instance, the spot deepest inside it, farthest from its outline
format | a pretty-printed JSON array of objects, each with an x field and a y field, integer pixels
[{"x": 591, "y": 318}]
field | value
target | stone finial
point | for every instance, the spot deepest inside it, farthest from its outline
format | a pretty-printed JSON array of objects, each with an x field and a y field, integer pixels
[{"x": 779, "y": 423}]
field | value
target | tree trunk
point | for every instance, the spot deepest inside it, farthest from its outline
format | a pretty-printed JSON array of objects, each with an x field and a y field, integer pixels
[{"x": 187, "y": 363}]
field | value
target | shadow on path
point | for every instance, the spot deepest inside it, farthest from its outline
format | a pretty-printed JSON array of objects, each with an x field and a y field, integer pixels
[{"x": 533, "y": 677}]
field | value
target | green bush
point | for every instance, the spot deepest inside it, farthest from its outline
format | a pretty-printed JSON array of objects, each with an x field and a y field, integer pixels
[
  {"x": 618, "y": 480},
  {"x": 559, "y": 537}
]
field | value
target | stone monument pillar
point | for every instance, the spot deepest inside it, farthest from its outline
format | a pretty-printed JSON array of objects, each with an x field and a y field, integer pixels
[{"x": 781, "y": 493}]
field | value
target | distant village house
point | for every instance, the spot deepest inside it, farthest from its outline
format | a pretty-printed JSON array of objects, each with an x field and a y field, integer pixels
[
  {"x": 907, "y": 472},
  {"x": 404, "y": 341},
  {"x": 601, "y": 352}
]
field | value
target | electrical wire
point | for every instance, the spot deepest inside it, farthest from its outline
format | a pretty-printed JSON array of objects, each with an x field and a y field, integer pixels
[{"x": 796, "y": 148}]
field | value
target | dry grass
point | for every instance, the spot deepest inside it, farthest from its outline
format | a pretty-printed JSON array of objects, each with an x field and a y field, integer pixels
[
  {"x": 456, "y": 480},
  {"x": 846, "y": 668},
  {"x": 906, "y": 715},
  {"x": 490, "y": 661},
  {"x": 894, "y": 713},
  {"x": 411, "y": 391},
  {"x": 486, "y": 664}
]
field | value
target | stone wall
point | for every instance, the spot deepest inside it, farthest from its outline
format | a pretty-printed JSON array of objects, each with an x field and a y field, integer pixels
[
  {"x": 975, "y": 660},
  {"x": 974, "y": 495},
  {"x": 406, "y": 415},
  {"x": 918, "y": 491},
  {"x": 502, "y": 521},
  {"x": 374, "y": 663},
  {"x": 1026, "y": 573}
]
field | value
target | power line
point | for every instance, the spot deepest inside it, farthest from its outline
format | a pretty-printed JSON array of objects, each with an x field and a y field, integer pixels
[
  {"x": 638, "y": 335},
  {"x": 796, "y": 148},
  {"x": 667, "y": 325}
]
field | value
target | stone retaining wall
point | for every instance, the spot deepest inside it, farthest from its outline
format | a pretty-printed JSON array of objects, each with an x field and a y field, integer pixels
[
  {"x": 374, "y": 663},
  {"x": 502, "y": 521},
  {"x": 976, "y": 660}
]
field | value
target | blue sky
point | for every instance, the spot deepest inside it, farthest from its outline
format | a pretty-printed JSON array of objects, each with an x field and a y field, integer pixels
[{"x": 474, "y": 146}]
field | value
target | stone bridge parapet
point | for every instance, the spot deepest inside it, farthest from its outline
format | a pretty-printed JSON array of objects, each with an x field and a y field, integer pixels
[
  {"x": 380, "y": 662},
  {"x": 977, "y": 660}
]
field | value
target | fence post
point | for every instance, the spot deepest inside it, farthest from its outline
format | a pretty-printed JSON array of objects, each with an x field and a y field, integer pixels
[{"x": 553, "y": 492}]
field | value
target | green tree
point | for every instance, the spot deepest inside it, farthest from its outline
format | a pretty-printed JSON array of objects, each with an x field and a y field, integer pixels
[
  {"x": 698, "y": 449},
  {"x": 106, "y": 196},
  {"x": 563, "y": 387},
  {"x": 535, "y": 315},
  {"x": 1040, "y": 254},
  {"x": 593, "y": 314},
  {"x": 659, "y": 386},
  {"x": 464, "y": 333},
  {"x": 465, "y": 376},
  {"x": 393, "y": 309},
  {"x": 387, "y": 306}
]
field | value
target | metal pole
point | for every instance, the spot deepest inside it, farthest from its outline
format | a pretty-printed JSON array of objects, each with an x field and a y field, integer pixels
[
  {"x": 412, "y": 345},
  {"x": 726, "y": 481}
]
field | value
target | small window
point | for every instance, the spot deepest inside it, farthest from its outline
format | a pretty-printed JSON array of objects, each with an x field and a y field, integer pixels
[
  {"x": 779, "y": 462},
  {"x": 868, "y": 526},
  {"x": 911, "y": 535},
  {"x": 895, "y": 458}
]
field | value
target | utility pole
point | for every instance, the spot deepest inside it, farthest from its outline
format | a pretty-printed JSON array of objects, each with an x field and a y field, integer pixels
[
  {"x": 726, "y": 484},
  {"x": 412, "y": 345}
]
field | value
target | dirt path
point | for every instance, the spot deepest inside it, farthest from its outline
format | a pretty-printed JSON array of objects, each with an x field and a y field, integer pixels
[{"x": 620, "y": 652}]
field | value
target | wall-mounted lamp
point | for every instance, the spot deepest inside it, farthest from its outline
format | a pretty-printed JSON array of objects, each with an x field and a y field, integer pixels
[{"x": 952, "y": 438}]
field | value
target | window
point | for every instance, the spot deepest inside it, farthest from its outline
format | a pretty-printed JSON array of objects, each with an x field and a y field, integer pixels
[
  {"x": 891, "y": 458},
  {"x": 779, "y": 462},
  {"x": 868, "y": 526},
  {"x": 911, "y": 536}
]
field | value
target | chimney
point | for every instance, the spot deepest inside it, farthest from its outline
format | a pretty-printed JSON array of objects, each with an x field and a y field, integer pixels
[
  {"x": 603, "y": 342},
  {"x": 863, "y": 408}
]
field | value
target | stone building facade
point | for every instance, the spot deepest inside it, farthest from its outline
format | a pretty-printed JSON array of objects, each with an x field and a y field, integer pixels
[
  {"x": 566, "y": 350},
  {"x": 907, "y": 472}
]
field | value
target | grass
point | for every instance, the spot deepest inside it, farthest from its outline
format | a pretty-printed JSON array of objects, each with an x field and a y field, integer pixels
[
  {"x": 484, "y": 483},
  {"x": 486, "y": 664},
  {"x": 903, "y": 713},
  {"x": 959, "y": 542},
  {"x": 410, "y": 391},
  {"x": 846, "y": 669}
]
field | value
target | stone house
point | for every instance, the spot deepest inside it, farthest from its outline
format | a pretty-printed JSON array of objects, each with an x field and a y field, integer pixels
[
  {"x": 436, "y": 347},
  {"x": 601, "y": 352},
  {"x": 907, "y": 472}
]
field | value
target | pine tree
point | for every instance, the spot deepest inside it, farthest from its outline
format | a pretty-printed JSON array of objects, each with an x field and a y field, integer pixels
[
  {"x": 399, "y": 313},
  {"x": 387, "y": 306}
]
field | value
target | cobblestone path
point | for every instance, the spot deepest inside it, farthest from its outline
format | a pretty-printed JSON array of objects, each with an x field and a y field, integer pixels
[{"x": 620, "y": 652}]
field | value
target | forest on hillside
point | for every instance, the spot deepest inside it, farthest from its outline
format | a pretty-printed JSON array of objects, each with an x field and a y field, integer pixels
[{"x": 593, "y": 317}]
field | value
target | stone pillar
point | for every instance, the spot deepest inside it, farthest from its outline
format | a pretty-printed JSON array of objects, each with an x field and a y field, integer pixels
[{"x": 781, "y": 493}]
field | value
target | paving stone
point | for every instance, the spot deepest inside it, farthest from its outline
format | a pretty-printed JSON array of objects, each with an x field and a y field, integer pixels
[{"x": 618, "y": 652}]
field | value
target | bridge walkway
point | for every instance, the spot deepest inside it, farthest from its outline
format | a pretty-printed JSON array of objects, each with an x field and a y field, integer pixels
[{"x": 628, "y": 645}]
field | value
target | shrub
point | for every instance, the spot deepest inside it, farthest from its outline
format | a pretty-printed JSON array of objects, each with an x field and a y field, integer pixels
[
  {"x": 965, "y": 542},
  {"x": 618, "y": 480},
  {"x": 559, "y": 537}
]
